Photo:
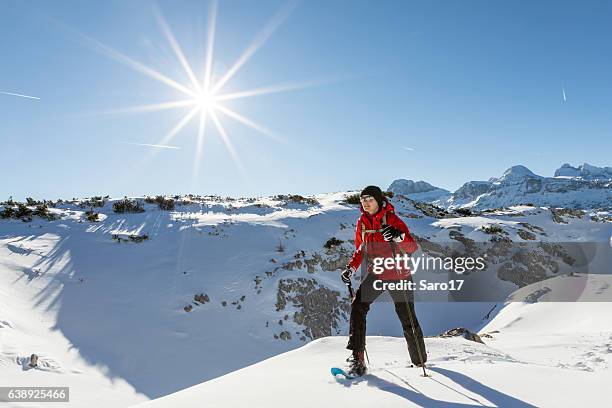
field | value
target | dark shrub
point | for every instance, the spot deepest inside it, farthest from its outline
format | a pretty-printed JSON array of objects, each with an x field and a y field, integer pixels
[
  {"x": 32, "y": 202},
  {"x": 492, "y": 229},
  {"x": 353, "y": 199},
  {"x": 465, "y": 212},
  {"x": 43, "y": 211},
  {"x": 138, "y": 238},
  {"x": 127, "y": 206},
  {"x": 96, "y": 201},
  {"x": 332, "y": 242},
  {"x": 8, "y": 212},
  {"x": 165, "y": 204},
  {"x": 92, "y": 216},
  {"x": 23, "y": 212}
]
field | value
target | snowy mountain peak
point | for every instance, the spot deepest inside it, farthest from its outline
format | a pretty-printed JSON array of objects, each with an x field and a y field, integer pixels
[
  {"x": 517, "y": 172},
  {"x": 584, "y": 171},
  {"x": 411, "y": 187},
  {"x": 418, "y": 190}
]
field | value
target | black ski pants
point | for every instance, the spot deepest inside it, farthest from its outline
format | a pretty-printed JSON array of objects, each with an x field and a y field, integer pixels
[{"x": 364, "y": 297}]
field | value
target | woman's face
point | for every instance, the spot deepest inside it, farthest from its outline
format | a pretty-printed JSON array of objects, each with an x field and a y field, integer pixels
[{"x": 369, "y": 204}]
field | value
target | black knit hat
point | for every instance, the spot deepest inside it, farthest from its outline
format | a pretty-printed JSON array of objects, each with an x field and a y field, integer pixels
[{"x": 375, "y": 192}]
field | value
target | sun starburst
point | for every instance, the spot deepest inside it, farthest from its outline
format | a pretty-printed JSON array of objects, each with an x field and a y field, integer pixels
[{"x": 204, "y": 97}]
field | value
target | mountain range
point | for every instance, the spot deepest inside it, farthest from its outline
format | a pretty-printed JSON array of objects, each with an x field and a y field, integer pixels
[{"x": 582, "y": 187}]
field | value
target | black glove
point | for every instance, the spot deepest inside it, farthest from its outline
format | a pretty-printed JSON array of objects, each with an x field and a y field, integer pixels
[
  {"x": 346, "y": 275},
  {"x": 390, "y": 232}
]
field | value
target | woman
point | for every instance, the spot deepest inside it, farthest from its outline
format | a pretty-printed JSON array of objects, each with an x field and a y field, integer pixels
[{"x": 380, "y": 233}]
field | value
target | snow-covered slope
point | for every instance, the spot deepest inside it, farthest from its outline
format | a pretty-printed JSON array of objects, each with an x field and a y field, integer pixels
[
  {"x": 536, "y": 355},
  {"x": 29, "y": 324},
  {"x": 565, "y": 335},
  {"x": 137, "y": 306}
]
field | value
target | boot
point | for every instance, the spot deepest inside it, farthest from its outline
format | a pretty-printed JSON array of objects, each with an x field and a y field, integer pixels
[{"x": 357, "y": 366}]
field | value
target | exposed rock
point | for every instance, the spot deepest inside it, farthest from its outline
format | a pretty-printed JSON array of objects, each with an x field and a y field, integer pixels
[
  {"x": 431, "y": 210},
  {"x": 500, "y": 247},
  {"x": 33, "y": 360},
  {"x": 557, "y": 251},
  {"x": 601, "y": 217},
  {"x": 558, "y": 213},
  {"x": 535, "y": 296},
  {"x": 431, "y": 248},
  {"x": 319, "y": 308},
  {"x": 471, "y": 248},
  {"x": 472, "y": 189},
  {"x": 201, "y": 298},
  {"x": 526, "y": 235},
  {"x": 533, "y": 228},
  {"x": 528, "y": 266},
  {"x": 335, "y": 258},
  {"x": 463, "y": 332}
]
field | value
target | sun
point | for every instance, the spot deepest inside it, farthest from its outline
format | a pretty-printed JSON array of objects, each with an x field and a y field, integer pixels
[
  {"x": 205, "y": 101},
  {"x": 202, "y": 95}
]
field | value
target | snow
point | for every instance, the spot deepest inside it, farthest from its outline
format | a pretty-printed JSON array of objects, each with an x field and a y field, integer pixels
[
  {"x": 107, "y": 317},
  {"x": 28, "y": 323},
  {"x": 463, "y": 373},
  {"x": 536, "y": 355}
]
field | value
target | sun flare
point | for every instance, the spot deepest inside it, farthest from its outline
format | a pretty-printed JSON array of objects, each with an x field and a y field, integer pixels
[
  {"x": 203, "y": 97},
  {"x": 205, "y": 101}
]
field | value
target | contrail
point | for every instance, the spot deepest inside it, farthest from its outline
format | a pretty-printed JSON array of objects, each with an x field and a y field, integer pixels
[
  {"x": 564, "y": 98},
  {"x": 152, "y": 145},
  {"x": 20, "y": 95},
  {"x": 408, "y": 148}
]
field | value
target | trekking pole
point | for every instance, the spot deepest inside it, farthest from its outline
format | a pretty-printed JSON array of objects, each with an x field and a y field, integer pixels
[
  {"x": 350, "y": 288},
  {"x": 414, "y": 333}
]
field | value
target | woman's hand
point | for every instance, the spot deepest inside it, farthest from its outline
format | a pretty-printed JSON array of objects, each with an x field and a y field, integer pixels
[
  {"x": 391, "y": 233},
  {"x": 346, "y": 275}
]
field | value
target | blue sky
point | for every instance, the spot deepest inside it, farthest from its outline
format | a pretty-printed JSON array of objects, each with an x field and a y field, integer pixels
[{"x": 472, "y": 87}]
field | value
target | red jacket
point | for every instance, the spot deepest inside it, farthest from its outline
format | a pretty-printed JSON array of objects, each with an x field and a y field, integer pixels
[{"x": 381, "y": 248}]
